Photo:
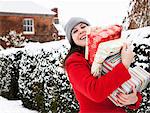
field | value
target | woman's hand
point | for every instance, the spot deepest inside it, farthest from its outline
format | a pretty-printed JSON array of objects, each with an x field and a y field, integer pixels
[
  {"x": 126, "y": 55},
  {"x": 128, "y": 99}
]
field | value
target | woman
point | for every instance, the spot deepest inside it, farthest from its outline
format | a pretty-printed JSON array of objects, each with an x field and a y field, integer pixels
[{"x": 92, "y": 92}]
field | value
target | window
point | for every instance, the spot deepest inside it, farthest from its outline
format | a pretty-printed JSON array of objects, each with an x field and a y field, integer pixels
[{"x": 28, "y": 26}]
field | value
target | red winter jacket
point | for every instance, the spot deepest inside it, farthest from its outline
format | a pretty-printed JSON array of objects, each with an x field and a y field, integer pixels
[{"x": 92, "y": 92}]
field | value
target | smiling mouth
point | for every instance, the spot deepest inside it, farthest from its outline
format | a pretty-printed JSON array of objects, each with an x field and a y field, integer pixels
[{"x": 82, "y": 38}]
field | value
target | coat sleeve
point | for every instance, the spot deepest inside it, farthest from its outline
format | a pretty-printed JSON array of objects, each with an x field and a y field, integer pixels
[{"x": 96, "y": 89}]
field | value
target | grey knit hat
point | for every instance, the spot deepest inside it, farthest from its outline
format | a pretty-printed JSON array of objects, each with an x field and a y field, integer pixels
[{"x": 71, "y": 24}]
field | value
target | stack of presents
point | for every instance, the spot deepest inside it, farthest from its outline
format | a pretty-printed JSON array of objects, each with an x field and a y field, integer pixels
[{"x": 103, "y": 53}]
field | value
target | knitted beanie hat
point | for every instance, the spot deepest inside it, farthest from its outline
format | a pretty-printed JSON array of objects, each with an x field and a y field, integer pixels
[{"x": 71, "y": 24}]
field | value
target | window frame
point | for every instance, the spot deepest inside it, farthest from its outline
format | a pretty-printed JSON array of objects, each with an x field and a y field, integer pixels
[{"x": 26, "y": 24}]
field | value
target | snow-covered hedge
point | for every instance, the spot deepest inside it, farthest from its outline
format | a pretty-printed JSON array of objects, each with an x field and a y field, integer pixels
[
  {"x": 43, "y": 82},
  {"x": 9, "y": 75},
  {"x": 13, "y": 39},
  {"x": 41, "y": 79},
  {"x": 35, "y": 72}
]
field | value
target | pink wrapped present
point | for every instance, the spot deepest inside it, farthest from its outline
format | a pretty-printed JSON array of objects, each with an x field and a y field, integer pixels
[
  {"x": 102, "y": 43},
  {"x": 95, "y": 37}
]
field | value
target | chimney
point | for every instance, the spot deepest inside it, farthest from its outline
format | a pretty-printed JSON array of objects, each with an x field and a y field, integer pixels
[
  {"x": 56, "y": 20},
  {"x": 56, "y": 11}
]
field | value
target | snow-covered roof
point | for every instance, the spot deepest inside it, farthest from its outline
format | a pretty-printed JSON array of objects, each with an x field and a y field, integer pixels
[
  {"x": 60, "y": 29},
  {"x": 24, "y": 7}
]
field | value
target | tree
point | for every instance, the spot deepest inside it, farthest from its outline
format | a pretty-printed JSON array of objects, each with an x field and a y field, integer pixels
[{"x": 138, "y": 14}]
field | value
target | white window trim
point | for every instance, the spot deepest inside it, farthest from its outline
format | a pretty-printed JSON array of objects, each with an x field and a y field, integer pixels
[{"x": 29, "y": 32}]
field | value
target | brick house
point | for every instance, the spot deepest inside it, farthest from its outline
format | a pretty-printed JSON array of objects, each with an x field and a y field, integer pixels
[{"x": 35, "y": 22}]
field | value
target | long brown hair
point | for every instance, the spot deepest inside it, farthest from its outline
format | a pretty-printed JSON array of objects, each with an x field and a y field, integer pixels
[{"x": 74, "y": 48}]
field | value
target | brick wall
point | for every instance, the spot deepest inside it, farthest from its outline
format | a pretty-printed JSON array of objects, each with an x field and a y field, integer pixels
[{"x": 42, "y": 26}]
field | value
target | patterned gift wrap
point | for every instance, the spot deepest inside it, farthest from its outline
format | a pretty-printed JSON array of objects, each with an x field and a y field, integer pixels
[
  {"x": 94, "y": 38},
  {"x": 139, "y": 77}
]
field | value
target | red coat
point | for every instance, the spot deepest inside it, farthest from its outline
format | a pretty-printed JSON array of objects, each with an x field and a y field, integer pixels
[{"x": 92, "y": 92}]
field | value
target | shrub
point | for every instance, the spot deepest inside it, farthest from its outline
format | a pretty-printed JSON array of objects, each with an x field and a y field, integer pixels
[{"x": 12, "y": 39}]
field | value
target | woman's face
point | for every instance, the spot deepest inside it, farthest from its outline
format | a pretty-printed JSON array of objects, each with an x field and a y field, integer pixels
[{"x": 79, "y": 34}]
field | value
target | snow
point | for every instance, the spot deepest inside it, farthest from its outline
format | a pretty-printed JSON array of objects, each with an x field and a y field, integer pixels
[
  {"x": 140, "y": 33},
  {"x": 25, "y": 7},
  {"x": 60, "y": 29},
  {"x": 107, "y": 13},
  {"x": 34, "y": 47},
  {"x": 13, "y": 106}
]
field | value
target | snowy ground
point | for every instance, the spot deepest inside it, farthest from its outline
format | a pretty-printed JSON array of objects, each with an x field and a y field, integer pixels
[{"x": 13, "y": 106}]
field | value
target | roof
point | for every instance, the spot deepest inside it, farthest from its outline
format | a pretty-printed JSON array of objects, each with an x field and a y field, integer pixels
[
  {"x": 23, "y": 7},
  {"x": 60, "y": 29}
]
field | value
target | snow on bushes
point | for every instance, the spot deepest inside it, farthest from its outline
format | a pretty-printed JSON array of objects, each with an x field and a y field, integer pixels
[
  {"x": 43, "y": 82},
  {"x": 12, "y": 39},
  {"x": 35, "y": 72},
  {"x": 9, "y": 75}
]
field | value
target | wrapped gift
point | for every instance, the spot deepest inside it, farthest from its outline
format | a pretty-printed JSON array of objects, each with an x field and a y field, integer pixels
[
  {"x": 101, "y": 52},
  {"x": 97, "y": 36},
  {"x": 105, "y": 50},
  {"x": 102, "y": 43},
  {"x": 139, "y": 77}
]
